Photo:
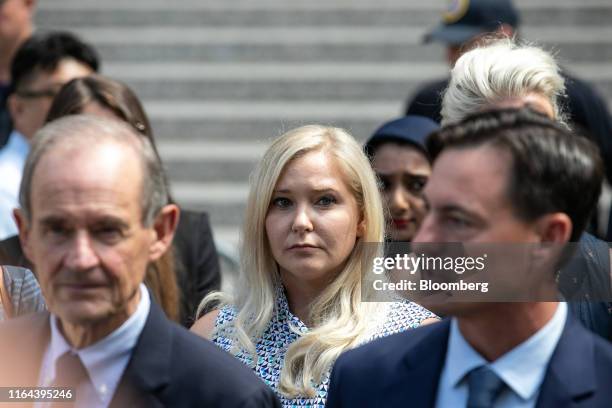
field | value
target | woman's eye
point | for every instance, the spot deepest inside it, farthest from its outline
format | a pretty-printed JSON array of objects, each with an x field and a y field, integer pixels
[
  {"x": 281, "y": 202},
  {"x": 415, "y": 184},
  {"x": 326, "y": 201}
]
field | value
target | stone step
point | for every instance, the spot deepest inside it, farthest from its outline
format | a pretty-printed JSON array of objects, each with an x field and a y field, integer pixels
[
  {"x": 239, "y": 53},
  {"x": 231, "y": 171},
  {"x": 597, "y": 51},
  {"x": 268, "y": 81},
  {"x": 205, "y": 161},
  {"x": 224, "y": 202},
  {"x": 284, "y": 5},
  {"x": 321, "y": 110},
  {"x": 244, "y": 130},
  {"x": 295, "y": 35},
  {"x": 224, "y": 214},
  {"x": 292, "y": 91},
  {"x": 57, "y": 18}
]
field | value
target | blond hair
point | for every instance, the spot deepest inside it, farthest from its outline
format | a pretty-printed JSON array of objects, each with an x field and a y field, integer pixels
[{"x": 338, "y": 318}]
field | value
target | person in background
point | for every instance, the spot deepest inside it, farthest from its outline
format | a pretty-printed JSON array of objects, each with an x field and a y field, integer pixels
[
  {"x": 400, "y": 161},
  {"x": 192, "y": 262},
  {"x": 94, "y": 213},
  {"x": 465, "y": 24},
  {"x": 15, "y": 27},
  {"x": 504, "y": 73},
  {"x": 313, "y": 206},
  {"x": 42, "y": 64},
  {"x": 19, "y": 293},
  {"x": 491, "y": 184}
]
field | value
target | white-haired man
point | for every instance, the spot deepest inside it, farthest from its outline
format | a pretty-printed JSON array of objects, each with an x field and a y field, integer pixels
[{"x": 94, "y": 213}]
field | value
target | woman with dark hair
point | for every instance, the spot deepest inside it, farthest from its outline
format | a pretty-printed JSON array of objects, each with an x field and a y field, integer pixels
[
  {"x": 101, "y": 96},
  {"x": 180, "y": 279},
  {"x": 399, "y": 159}
]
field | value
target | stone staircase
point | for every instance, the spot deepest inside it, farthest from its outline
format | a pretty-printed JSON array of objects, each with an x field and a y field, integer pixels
[{"x": 220, "y": 78}]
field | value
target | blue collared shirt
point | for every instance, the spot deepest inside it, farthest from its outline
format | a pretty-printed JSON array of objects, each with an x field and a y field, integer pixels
[
  {"x": 522, "y": 369},
  {"x": 105, "y": 360},
  {"x": 12, "y": 161}
]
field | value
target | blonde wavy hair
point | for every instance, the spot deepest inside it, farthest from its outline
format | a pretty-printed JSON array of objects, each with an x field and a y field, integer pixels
[
  {"x": 338, "y": 318},
  {"x": 501, "y": 68}
]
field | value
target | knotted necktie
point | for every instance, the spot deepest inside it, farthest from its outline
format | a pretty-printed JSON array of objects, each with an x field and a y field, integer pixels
[
  {"x": 484, "y": 386},
  {"x": 69, "y": 373}
]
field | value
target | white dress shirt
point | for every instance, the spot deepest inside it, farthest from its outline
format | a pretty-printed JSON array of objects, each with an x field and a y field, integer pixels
[
  {"x": 105, "y": 360},
  {"x": 522, "y": 369}
]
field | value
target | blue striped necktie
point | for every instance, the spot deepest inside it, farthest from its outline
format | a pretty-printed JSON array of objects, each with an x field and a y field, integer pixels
[{"x": 484, "y": 386}]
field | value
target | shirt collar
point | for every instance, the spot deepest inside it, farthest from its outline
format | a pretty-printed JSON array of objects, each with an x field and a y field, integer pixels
[
  {"x": 522, "y": 369},
  {"x": 18, "y": 142},
  {"x": 106, "y": 359}
]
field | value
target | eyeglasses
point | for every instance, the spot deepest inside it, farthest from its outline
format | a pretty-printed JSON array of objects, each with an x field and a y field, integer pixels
[{"x": 42, "y": 93}]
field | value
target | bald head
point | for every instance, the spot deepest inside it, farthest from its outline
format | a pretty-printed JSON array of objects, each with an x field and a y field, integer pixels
[{"x": 105, "y": 141}]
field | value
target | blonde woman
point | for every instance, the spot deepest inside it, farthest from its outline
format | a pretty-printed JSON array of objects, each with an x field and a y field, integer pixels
[{"x": 313, "y": 204}]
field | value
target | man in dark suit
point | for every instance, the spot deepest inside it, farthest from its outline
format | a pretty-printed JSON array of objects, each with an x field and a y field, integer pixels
[
  {"x": 94, "y": 212},
  {"x": 493, "y": 181}
]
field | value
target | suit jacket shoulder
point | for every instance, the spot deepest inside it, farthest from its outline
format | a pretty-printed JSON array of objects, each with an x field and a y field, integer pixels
[
  {"x": 404, "y": 370},
  {"x": 173, "y": 367},
  {"x": 579, "y": 371},
  {"x": 396, "y": 371}
]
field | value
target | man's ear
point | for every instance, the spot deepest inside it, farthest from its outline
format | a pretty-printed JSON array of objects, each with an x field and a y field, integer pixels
[
  {"x": 164, "y": 227},
  {"x": 16, "y": 109},
  {"x": 554, "y": 227},
  {"x": 506, "y": 30},
  {"x": 24, "y": 231},
  {"x": 14, "y": 106}
]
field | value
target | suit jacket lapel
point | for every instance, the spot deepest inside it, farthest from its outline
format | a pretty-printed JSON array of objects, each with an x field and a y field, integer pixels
[
  {"x": 148, "y": 371},
  {"x": 571, "y": 372},
  {"x": 423, "y": 365}
]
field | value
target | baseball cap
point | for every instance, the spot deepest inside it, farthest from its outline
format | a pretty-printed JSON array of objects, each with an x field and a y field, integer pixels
[
  {"x": 411, "y": 129},
  {"x": 465, "y": 19}
]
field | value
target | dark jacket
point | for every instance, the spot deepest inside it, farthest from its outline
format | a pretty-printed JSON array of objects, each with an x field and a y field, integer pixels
[
  {"x": 169, "y": 367},
  {"x": 196, "y": 262},
  {"x": 587, "y": 111},
  {"x": 403, "y": 370}
]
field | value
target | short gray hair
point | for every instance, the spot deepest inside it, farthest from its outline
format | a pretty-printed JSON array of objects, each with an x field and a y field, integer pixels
[
  {"x": 87, "y": 130},
  {"x": 501, "y": 69}
]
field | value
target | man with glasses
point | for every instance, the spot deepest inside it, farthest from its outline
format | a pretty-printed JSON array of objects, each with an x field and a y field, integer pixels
[
  {"x": 15, "y": 27},
  {"x": 41, "y": 66}
]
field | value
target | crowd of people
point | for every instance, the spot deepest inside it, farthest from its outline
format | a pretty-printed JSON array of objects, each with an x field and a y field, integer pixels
[{"x": 102, "y": 273}]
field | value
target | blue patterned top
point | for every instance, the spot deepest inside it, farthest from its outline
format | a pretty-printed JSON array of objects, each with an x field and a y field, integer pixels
[{"x": 277, "y": 337}]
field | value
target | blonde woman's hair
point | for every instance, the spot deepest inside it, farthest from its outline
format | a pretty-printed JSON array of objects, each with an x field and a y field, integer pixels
[
  {"x": 338, "y": 318},
  {"x": 501, "y": 69}
]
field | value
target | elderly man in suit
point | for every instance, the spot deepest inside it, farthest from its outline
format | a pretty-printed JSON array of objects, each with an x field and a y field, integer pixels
[
  {"x": 94, "y": 213},
  {"x": 495, "y": 179}
]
